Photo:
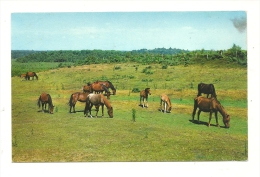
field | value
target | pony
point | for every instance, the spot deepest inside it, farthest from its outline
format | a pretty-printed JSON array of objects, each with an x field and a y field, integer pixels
[
  {"x": 77, "y": 96},
  {"x": 23, "y": 76},
  {"x": 98, "y": 87},
  {"x": 44, "y": 99},
  {"x": 166, "y": 103},
  {"x": 31, "y": 74},
  {"x": 108, "y": 85},
  {"x": 210, "y": 105},
  {"x": 97, "y": 100},
  {"x": 144, "y": 97},
  {"x": 206, "y": 89}
]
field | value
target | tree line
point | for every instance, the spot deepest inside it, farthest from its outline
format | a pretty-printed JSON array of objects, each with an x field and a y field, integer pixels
[{"x": 171, "y": 56}]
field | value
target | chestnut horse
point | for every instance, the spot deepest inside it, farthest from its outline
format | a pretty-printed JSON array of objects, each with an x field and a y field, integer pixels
[
  {"x": 31, "y": 74},
  {"x": 97, "y": 100},
  {"x": 77, "y": 96},
  {"x": 87, "y": 89},
  {"x": 98, "y": 87},
  {"x": 210, "y": 105},
  {"x": 44, "y": 99},
  {"x": 166, "y": 103},
  {"x": 144, "y": 97},
  {"x": 23, "y": 76},
  {"x": 207, "y": 89}
]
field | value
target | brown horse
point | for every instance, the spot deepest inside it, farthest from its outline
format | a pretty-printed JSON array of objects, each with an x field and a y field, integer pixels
[
  {"x": 98, "y": 87},
  {"x": 97, "y": 100},
  {"x": 31, "y": 74},
  {"x": 206, "y": 89},
  {"x": 144, "y": 97},
  {"x": 77, "y": 96},
  {"x": 44, "y": 99},
  {"x": 210, "y": 105},
  {"x": 108, "y": 85},
  {"x": 23, "y": 76},
  {"x": 87, "y": 89},
  {"x": 166, "y": 103}
]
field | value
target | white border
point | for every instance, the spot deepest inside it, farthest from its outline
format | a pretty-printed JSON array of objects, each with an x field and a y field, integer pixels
[{"x": 249, "y": 168}]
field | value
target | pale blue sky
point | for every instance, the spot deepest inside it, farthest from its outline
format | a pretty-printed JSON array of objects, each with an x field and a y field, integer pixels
[{"x": 128, "y": 30}]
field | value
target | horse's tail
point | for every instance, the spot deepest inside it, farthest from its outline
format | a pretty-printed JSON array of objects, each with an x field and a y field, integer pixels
[
  {"x": 35, "y": 75},
  {"x": 39, "y": 102},
  {"x": 70, "y": 101}
]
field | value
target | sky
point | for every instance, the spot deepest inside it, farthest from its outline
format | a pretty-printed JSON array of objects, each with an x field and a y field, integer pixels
[{"x": 210, "y": 30}]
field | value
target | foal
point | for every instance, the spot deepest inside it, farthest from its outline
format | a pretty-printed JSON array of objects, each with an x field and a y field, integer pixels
[
  {"x": 144, "y": 97},
  {"x": 166, "y": 103}
]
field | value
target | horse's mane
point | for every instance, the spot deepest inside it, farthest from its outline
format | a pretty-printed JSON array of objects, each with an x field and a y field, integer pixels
[{"x": 112, "y": 86}]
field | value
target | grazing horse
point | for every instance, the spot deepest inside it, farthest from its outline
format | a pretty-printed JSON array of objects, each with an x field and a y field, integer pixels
[
  {"x": 77, "y": 96},
  {"x": 23, "y": 76},
  {"x": 97, "y": 100},
  {"x": 31, "y": 74},
  {"x": 144, "y": 97},
  {"x": 99, "y": 88},
  {"x": 44, "y": 99},
  {"x": 210, "y": 105},
  {"x": 207, "y": 89},
  {"x": 108, "y": 85},
  {"x": 167, "y": 103}
]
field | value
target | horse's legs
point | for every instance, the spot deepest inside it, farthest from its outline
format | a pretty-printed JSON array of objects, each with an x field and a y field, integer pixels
[
  {"x": 216, "y": 117},
  {"x": 165, "y": 105},
  {"x": 210, "y": 115},
  {"x": 97, "y": 109},
  {"x": 199, "y": 115}
]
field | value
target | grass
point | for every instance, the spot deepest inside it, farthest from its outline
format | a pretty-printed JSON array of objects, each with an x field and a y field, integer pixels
[{"x": 153, "y": 136}]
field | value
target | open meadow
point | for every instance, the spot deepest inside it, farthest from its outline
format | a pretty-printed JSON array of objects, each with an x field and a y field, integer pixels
[{"x": 153, "y": 136}]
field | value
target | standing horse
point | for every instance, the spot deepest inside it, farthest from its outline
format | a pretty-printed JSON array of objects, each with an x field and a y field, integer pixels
[
  {"x": 31, "y": 74},
  {"x": 23, "y": 76},
  {"x": 97, "y": 100},
  {"x": 166, "y": 103},
  {"x": 207, "y": 89},
  {"x": 99, "y": 88},
  {"x": 87, "y": 89},
  {"x": 210, "y": 105},
  {"x": 77, "y": 96},
  {"x": 46, "y": 99},
  {"x": 144, "y": 97},
  {"x": 108, "y": 85}
]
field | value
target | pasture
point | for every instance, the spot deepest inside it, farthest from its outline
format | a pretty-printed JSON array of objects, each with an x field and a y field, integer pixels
[{"x": 134, "y": 134}]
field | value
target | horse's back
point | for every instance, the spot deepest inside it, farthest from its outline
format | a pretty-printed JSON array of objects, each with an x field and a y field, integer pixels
[
  {"x": 204, "y": 104},
  {"x": 94, "y": 98},
  {"x": 44, "y": 97}
]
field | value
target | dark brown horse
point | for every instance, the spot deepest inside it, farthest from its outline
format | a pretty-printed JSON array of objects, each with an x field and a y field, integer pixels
[
  {"x": 206, "y": 89},
  {"x": 98, "y": 87},
  {"x": 31, "y": 74},
  {"x": 144, "y": 97},
  {"x": 97, "y": 100},
  {"x": 108, "y": 85},
  {"x": 44, "y": 99},
  {"x": 211, "y": 105},
  {"x": 77, "y": 96}
]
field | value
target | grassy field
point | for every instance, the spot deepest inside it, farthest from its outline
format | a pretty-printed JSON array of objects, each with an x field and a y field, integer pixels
[{"x": 154, "y": 136}]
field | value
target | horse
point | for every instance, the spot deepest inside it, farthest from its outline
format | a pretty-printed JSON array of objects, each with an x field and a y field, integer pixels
[
  {"x": 23, "y": 76},
  {"x": 108, "y": 85},
  {"x": 207, "y": 89},
  {"x": 97, "y": 100},
  {"x": 87, "y": 89},
  {"x": 144, "y": 97},
  {"x": 31, "y": 74},
  {"x": 167, "y": 103},
  {"x": 98, "y": 87},
  {"x": 210, "y": 105},
  {"x": 77, "y": 96},
  {"x": 44, "y": 99}
]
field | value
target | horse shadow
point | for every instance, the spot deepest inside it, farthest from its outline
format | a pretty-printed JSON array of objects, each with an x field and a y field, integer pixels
[
  {"x": 44, "y": 111},
  {"x": 161, "y": 110},
  {"x": 204, "y": 123}
]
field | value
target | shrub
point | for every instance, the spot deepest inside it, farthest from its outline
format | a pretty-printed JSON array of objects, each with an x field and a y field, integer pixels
[{"x": 135, "y": 90}]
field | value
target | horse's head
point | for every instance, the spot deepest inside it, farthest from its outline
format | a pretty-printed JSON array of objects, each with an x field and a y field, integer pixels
[
  {"x": 148, "y": 91},
  {"x": 114, "y": 92},
  {"x": 226, "y": 121},
  {"x": 51, "y": 109},
  {"x": 170, "y": 108},
  {"x": 110, "y": 112}
]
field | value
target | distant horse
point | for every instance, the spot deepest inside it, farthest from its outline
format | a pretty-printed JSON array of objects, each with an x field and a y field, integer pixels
[
  {"x": 108, "y": 85},
  {"x": 46, "y": 99},
  {"x": 144, "y": 97},
  {"x": 99, "y": 88},
  {"x": 77, "y": 96},
  {"x": 207, "y": 89},
  {"x": 31, "y": 74},
  {"x": 87, "y": 89},
  {"x": 23, "y": 76},
  {"x": 166, "y": 103},
  {"x": 210, "y": 105},
  {"x": 97, "y": 100}
]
